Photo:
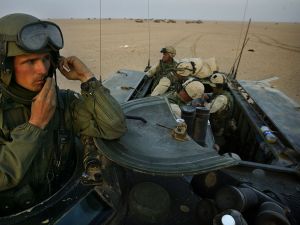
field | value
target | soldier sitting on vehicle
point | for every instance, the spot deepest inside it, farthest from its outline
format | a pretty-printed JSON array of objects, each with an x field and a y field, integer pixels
[
  {"x": 174, "y": 79},
  {"x": 164, "y": 68},
  {"x": 191, "y": 89},
  {"x": 220, "y": 103}
]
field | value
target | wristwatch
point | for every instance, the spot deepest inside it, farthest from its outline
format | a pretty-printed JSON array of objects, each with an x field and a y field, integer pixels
[{"x": 85, "y": 86}]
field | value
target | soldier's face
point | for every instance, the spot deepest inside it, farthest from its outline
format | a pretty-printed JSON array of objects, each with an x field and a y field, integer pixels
[
  {"x": 31, "y": 70},
  {"x": 166, "y": 57}
]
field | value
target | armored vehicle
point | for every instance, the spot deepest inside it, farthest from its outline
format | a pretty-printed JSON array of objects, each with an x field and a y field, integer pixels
[{"x": 156, "y": 174}]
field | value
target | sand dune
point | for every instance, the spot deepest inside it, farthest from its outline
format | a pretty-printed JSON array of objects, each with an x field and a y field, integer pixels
[{"x": 273, "y": 49}]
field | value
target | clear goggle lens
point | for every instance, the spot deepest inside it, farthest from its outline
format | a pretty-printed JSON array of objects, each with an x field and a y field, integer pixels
[{"x": 37, "y": 36}]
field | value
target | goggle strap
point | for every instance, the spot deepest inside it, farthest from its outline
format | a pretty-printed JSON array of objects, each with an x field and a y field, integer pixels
[
  {"x": 194, "y": 66},
  {"x": 5, "y": 37}
]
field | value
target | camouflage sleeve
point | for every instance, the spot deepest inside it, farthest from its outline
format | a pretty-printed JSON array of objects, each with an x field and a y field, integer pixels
[
  {"x": 218, "y": 104},
  {"x": 153, "y": 70},
  {"x": 162, "y": 87},
  {"x": 16, "y": 156},
  {"x": 96, "y": 113},
  {"x": 176, "y": 110}
]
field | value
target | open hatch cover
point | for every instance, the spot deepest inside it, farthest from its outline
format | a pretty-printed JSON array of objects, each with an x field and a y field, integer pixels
[
  {"x": 150, "y": 148},
  {"x": 282, "y": 111}
]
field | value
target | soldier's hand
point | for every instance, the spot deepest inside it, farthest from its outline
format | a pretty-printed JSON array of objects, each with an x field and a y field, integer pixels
[
  {"x": 208, "y": 97},
  {"x": 43, "y": 105},
  {"x": 74, "y": 69},
  {"x": 198, "y": 102}
]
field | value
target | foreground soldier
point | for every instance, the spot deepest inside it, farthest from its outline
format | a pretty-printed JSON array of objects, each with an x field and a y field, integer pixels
[{"x": 39, "y": 123}]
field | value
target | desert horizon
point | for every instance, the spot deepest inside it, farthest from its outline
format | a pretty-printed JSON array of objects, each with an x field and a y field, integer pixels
[{"x": 272, "y": 51}]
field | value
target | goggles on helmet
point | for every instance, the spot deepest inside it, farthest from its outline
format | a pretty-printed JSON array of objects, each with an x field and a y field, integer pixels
[
  {"x": 163, "y": 50},
  {"x": 36, "y": 36}
]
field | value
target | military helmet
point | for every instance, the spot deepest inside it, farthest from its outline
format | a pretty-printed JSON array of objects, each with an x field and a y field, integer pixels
[
  {"x": 185, "y": 68},
  {"x": 10, "y": 26},
  {"x": 169, "y": 49},
  {"x": 193, "y": 88},
  {"x": 22, "y": 34},
  {"x": 217, "y": 78}
]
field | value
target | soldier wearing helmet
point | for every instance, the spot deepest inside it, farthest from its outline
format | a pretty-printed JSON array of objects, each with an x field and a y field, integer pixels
[
  {"x": 191, "y": 89},
  {"x": 39, "y": 123},
  {"x": 221, "y": 103},
  {"x": 163, "y": 70}
]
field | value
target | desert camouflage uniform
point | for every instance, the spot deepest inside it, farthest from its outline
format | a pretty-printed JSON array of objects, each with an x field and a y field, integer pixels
[
  {"x": 220, "y": 118},
  {"x": 163, "y": 70}
]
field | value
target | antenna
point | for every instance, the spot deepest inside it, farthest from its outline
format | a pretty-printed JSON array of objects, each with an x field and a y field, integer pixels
[
  {"x": 100, "y": 30},
  {"x": 148, "y": 66},
  {"x": 234, "y": 72},
  {"x": 233, "y": 69},
  {"x": 240, "y": 36}
]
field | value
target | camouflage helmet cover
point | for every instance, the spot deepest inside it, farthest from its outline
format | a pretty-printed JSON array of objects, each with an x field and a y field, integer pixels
[
  {"x": 217, "y": 78},
  {"x": 169, "y": 49},
  {"x": 184, "y": 69},
  {"x": 193, "y": 88}
]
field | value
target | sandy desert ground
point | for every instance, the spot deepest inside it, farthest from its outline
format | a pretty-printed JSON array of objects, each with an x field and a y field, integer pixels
[{"x": 273, "y": 49}]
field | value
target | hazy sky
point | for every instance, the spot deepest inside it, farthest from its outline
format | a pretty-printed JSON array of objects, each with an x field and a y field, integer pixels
[{"x": 257, "y": 10}]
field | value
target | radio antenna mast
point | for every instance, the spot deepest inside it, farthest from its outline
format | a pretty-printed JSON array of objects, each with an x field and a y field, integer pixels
[
  {"x": 242, "y": 49},
  {"x": 100, "y": 30},
  {"x": 148, "y": 20},
  {"x": 233, "y": 69}
]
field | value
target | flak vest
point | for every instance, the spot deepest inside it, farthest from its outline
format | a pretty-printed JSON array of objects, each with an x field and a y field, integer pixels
[{"x": 165, "y": 69}]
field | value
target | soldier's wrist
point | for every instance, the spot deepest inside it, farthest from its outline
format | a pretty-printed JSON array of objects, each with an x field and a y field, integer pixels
[{"x": 87, "y": 77}]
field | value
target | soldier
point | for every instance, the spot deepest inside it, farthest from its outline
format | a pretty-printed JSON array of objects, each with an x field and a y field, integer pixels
[
  {"x": 163, "y": 70},
  {"x": 39, "y": 123},
  {"x": 191, "y": 89},
  {"x": 221, "y": 104}
]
